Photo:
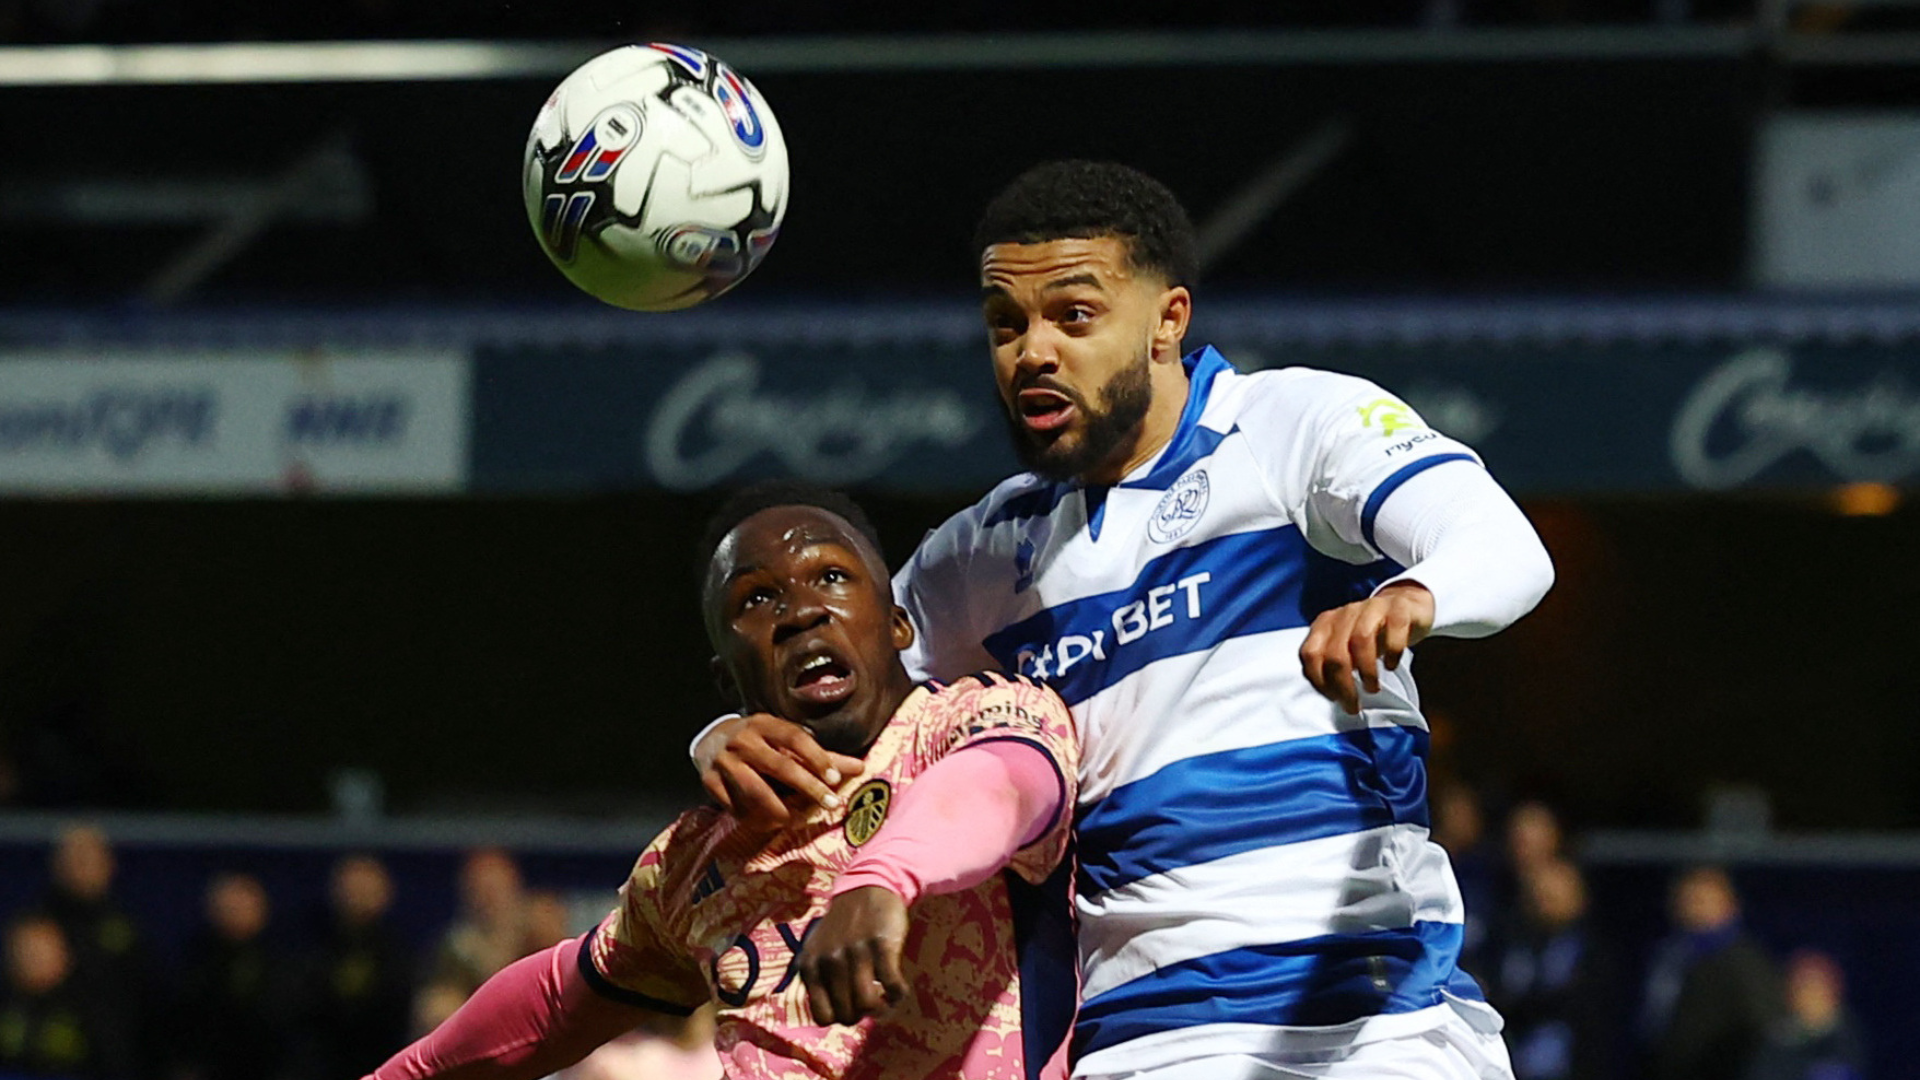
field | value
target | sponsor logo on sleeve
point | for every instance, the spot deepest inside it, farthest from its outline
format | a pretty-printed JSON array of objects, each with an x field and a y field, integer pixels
[{"x": 1389, "y": 416}]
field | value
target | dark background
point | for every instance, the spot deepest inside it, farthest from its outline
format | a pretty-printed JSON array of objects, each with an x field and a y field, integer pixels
[{"x": 1566, "y": 175}]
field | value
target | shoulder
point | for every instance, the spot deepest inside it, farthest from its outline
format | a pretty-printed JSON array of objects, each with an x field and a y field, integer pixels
[
  {"x": 1013, "y": 499},
  {"x": 1314, "y": 419},
  {"x": 982, "y": 685},
  {"x": 1022, "y": 495},
  {"x": 987, "y": 699},
  {"x": 1302, "y": 390}
]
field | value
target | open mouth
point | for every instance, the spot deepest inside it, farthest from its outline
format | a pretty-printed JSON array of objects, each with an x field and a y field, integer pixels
[
  {"x": 822, "y": 679},
  {"x": 1044, "y": 410}
]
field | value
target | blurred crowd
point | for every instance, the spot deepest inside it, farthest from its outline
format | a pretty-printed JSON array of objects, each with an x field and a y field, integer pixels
[
  {"x": 1711, "y": 1003},
  {"x": 85, "y": 996}
]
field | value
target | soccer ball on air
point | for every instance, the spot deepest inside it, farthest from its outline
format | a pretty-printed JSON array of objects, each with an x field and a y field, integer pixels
[{"x": 655, "y": 177}]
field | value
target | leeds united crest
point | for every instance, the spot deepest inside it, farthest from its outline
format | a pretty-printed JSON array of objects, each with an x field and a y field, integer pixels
[{"x": 866, "y": 810}]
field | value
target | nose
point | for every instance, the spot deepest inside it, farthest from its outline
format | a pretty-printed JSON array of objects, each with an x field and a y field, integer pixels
[
  {"x": 1039, "y": 346},
  {"x": 799, "y": 612},
  {"x": 1039, "y": 351}
]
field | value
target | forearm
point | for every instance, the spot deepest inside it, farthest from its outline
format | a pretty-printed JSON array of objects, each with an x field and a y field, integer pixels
[
  {"x": 961, "y": 821},
  {"x": 1460, "y": 535},
  {"x": 535, "y": 1017}
]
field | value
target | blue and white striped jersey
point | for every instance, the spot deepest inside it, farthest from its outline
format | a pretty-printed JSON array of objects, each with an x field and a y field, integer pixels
[{"x": 1254, "y": 864}]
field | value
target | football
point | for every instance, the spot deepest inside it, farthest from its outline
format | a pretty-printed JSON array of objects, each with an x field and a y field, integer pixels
[{"x": 655, "y": 177}]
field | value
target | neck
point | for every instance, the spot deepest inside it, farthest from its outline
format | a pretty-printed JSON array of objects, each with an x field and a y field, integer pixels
[
  {"x": 1170, "y": 389},
  {"x": 899, "y": 685}
]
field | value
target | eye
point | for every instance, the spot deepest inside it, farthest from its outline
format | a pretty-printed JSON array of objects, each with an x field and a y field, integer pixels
[
  {"x": 833, "y": 575},
  {"x": 755, "y": 597},
  {"x": 1077, "y": 314}
]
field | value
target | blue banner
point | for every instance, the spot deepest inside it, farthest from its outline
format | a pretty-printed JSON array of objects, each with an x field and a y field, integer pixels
[
  {"x": 682, "y": 417},
  {"x": 1548, "y": 420},
  {"x": 1666, "y": 418},
  {"x": 1561, "y": 396}
]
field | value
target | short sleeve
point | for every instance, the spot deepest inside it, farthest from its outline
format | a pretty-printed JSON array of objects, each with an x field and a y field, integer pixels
[
  {"x": 987, "y": 708},
  {"x": 631, "y": 958},
  {"x": 1332, "y": 447}
]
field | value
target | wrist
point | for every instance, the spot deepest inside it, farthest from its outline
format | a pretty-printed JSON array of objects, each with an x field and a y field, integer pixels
[
  {"x": 700, "y": 763},
  {"x": 877, "y": 875}
]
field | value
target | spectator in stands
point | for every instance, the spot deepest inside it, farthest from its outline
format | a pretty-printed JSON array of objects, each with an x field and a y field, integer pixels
[
  {"x": 50, "y": 1024},
  {"x": 1712, "y": 992},
  {"x": 81, "y": 901},
  {"x": 1818, "y": 1039},
  {"x": 108, "y": 950},
  {"x": 1459, "y": 826},
  {"x": 1534, "y": 838},
  {"x": 490, "y": 932},
  {"x": 357, "y": 990},
  {"x": 232, "y": 1021},
  {"x": 436, "y": 1001},
  {"x": 1554, "y": 982},
  {"x": 547, "y": 921}
]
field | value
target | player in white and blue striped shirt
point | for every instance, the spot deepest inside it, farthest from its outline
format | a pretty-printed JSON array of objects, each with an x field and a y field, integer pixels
[{"x": 1222, "y": 575}]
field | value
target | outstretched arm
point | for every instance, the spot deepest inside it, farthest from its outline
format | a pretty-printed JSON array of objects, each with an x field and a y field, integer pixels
[
  {"x": 960, "y": 823},
  {"x": 536, "y": 1016}
]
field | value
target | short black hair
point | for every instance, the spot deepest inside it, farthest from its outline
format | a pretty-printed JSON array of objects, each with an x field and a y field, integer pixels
[
  {"x": 767, "y": 494},
  {"x": 1087, "y": 199}
]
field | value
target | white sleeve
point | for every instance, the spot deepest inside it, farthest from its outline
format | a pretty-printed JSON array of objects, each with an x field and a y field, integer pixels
[
  {"x": 1367, "y": 444},
  {"x": 1332, "y": 447},
  {"x": 1458, "y": 533}
]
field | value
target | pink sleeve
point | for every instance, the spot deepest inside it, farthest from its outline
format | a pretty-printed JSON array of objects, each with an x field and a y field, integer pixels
[
  {"x": 961, "y": 821},
  {"x": 537, "y": 1016}
]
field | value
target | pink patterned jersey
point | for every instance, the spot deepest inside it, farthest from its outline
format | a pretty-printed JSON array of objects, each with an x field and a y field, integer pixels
[{"x": 714, "y": 912}]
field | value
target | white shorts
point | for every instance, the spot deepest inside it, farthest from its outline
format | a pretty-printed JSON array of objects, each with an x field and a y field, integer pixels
[{"x": 1454, "y": 1050}]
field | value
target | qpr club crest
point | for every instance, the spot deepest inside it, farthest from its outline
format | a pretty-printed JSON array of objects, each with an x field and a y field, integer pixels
[{"x": 1180, "y": 508}]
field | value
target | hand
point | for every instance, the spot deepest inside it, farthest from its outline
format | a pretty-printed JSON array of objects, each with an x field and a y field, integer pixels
[
  {"x": 1353, "y": 639},
  {"x": 851, "y": 961},
  {"x": 741, "y": 759}
]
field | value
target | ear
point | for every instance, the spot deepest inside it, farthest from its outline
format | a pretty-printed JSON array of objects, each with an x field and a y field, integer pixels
[
  {"x": 1176, "y": 310},
  {"x": 724, "y": 682},
  {"x": 902, "y": 629}
]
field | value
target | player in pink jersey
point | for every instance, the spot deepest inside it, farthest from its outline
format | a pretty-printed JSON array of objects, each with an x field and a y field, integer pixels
[{"x": 915, "y": 925}]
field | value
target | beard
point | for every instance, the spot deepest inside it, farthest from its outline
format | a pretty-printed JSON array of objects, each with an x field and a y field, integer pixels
[{"x": 1104, "y": 432}]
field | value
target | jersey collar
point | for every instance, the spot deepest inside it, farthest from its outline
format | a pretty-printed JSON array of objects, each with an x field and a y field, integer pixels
[{"x": 1190, "y": 441}]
